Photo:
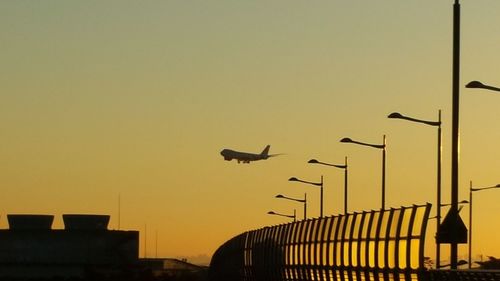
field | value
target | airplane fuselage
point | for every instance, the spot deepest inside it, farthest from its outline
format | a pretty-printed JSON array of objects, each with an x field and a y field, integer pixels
[{"x": 241, "y": 157}]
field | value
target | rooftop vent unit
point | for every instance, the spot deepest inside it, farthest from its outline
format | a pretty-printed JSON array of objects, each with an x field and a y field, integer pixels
[
  {"x": 85, "y": 222},
  {"x": 30, "y": 222}
]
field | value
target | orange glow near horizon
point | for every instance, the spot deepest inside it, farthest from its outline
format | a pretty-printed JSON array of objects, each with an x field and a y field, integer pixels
[{"x": 137, "y": 100}]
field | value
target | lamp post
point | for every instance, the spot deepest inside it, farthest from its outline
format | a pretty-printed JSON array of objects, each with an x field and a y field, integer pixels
[
  {"x": 479, "y": 85},
  {"x": 455, "y": 134},
  {"x": 314, "y": 161},
  {"x": 294, "y": 217},
  {"x": 297, "y": 200},
  {"x": 320, "y": 184},
  {"x": 396, "y": 115},
  {"x": 476, "y": 85},
  {"x": 474, "y": 189},
  {"x": 379, "y": 146}
]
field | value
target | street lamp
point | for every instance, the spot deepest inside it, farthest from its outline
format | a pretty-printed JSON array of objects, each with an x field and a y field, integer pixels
[
  {"x": 479, "y": 85},
  {"x": 474, "y": 189},
  {"x": 396, "y": 115},
  {"x": 314, "y": 161},
  {"x": 476, "y": 85},
  {"x": 283, "y": 215},
  {"x": 379, "y": 146},
  {"x": 320, "y": 184},
  {"x": 297, "y": 200}
]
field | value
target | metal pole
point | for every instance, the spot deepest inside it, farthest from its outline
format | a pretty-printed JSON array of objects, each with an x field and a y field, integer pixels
[
  {"x": 145, "y": 240},
  {"x": 438, "y": 215},
  {"x": 470, "y": 225},
  {"x": 321, "y": 198},
  {"x": 345, "y": 186},
  {"x": 383, "y": 175},
  {"x": 119, "y": 209},
  {"x": 455, "y": 134},
  {"x": 305, "y": 206}
]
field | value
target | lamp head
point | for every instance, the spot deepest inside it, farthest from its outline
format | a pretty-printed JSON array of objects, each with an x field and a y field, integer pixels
[
  {"x": 474, "y": 84},
  {"x": 293, "y": 179},
  {"x": 313, "y": 161},
  {"x": 478, "y": 189},
  {"x": 395, "y": 115},
  {"x": 346, "y": 140}
]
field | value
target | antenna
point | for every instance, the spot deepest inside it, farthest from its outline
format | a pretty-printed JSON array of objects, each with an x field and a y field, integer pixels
[
  {"x": 156, "y": 244},
  {"x": 145, "y": 239},
  {"x": 119, "y": 209}
]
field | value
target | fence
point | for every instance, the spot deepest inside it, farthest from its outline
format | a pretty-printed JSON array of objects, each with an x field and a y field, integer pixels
[
  {"x": 375, "y": 245},
  {"x": 464, "y": 275}
]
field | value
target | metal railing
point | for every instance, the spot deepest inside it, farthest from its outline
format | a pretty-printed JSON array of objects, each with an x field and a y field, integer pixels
[
  {"x": 464, "y": 275},
  {"x": 374, "y": 245}
]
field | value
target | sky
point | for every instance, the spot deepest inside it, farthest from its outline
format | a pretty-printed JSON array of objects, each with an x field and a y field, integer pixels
[{"x": 128, "y": 103}]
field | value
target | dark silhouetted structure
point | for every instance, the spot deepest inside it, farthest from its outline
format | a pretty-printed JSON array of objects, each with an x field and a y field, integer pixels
[
  {"x": 375, "y": 245},
  {"x": 173, "y": 269},
  {"x": 31, "y": 249}
]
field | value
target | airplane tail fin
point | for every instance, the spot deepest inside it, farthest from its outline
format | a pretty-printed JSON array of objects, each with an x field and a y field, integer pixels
[{"x": 265, "y": 152}]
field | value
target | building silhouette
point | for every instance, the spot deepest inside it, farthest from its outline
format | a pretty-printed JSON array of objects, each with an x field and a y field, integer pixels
[{"x": 30, "y": 248}]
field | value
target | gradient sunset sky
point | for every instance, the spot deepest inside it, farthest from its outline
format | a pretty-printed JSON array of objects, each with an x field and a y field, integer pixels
[{"x": 135, "y": 99}]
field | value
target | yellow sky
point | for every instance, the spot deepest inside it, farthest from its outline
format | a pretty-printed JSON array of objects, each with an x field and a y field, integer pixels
[{"x": 136, "y": 99}]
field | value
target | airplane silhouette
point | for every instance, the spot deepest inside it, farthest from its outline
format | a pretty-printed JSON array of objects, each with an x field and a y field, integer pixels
[{"x": 246, "y": 157}]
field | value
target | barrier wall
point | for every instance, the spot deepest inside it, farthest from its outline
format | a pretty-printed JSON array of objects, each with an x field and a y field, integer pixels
[{"x": 375, "y": 245}]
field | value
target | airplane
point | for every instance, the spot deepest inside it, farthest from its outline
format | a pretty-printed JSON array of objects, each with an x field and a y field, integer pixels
[{"x": 246, "y": 157}]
